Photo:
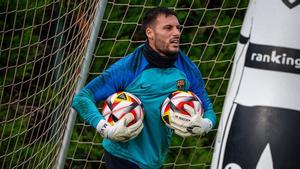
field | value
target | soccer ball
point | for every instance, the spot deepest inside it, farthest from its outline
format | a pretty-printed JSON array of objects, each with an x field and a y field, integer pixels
[
  {"x": 121, "y": 103},
  {"x": 175, "y": 102}
]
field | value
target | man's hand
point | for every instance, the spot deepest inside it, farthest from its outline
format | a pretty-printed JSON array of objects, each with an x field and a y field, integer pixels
[
  {"x": 194, "y": 124},
  {"x": 119, "y": 131}
]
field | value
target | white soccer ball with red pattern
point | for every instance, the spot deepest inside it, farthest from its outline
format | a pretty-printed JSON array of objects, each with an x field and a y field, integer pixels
[
  {"x": 121, "y": 103},
  {"x": 175, "y": 102}
]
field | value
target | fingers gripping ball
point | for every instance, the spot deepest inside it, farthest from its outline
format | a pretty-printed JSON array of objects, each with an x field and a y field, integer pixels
[
  {"x": 174, "y": 106},
  {"x": 119, "y": 104}
]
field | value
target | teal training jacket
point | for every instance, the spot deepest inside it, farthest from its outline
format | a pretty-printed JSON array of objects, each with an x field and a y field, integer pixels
[{"x": 151, "y": 85}]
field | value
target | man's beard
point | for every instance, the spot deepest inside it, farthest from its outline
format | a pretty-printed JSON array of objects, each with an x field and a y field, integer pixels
[{"x": 166, "y": 51}]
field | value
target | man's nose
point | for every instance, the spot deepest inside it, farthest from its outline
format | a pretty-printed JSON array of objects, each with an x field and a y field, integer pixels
[{"x": 176, "y": 32}]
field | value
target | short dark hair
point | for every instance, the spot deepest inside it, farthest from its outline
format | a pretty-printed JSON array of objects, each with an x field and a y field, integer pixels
[{"x": 151, "y": 16}]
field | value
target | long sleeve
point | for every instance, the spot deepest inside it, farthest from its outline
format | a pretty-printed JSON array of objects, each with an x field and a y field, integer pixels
[
  {"x": 199, "y": 89},
  {"x": 97, "y": 90},
  {"x": 112, "y": 80},
  {"x": 85, "y": 105},
  {"x": 197, "y": 86}
]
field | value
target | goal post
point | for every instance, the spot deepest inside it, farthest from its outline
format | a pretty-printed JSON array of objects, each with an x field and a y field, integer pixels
[{"x": 82, "y": 79}]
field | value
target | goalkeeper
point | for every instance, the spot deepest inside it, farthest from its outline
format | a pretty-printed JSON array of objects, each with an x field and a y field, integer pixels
[{"x": 153, "y": 71}]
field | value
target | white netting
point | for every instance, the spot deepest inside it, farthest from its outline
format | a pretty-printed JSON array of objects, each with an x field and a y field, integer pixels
[
  {"x": 42, "y": 46},
  {"x": 209, "y": 35}
]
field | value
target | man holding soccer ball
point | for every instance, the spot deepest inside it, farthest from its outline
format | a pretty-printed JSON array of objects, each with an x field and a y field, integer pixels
[{"x": 151, "y": 73}]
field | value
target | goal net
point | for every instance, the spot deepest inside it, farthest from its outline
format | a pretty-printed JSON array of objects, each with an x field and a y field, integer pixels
[
  {"x": 42, "y": 48},
  {"x": 42, "y": 44}
]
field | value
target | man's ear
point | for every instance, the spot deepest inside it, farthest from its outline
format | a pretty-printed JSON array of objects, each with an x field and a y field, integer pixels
[{"x": 149, "y": 33}]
